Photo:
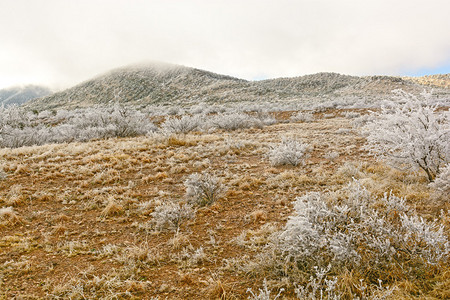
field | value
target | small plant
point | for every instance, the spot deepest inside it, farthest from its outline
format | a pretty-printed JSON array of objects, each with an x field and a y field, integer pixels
[
  {"x": 171, "y": 215},
  {"x": 264, "y": 293},
  {"x": 3, "y": 174},
  {"x": 8, "y": 215},
  {"x": 288, "y": 152},
  {"x": 203, "y": 189},
  {"x": 318, "y": 286},
  {"x": 331, "y": 155},
  {"x": 185, "y": 124},
  {"x": 234, "y": 121},
  {"x": 302, "y": 117}
]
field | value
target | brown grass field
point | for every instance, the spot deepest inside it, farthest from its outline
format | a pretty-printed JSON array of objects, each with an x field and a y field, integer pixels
[{"x": 76, "y": 220}]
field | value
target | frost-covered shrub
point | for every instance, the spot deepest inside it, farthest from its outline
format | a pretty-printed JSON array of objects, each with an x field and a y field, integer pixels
[
  {"x": 203, "y": 189},
  {"x": 19, "y": 128},
  {"x": 15, "y": 117},
  {"x": 411, "y": 135},
  {"x": 12, "y": 137},
  {"x": 233, "y": 121},
  {"x": 318, "y": 286},
  {"x": 442, "y": 182},
  {"x": 264, "y": 293},
  {"x": 171, "y": 215},
  {"x": 302, "y": 117},
  {"x": 351, "y": 115},
  {"x": 331, "y": 155},
  {"x": 106, "y": 122},
  {"x": 357, "y": 232},
  {"x": 184, "y": 124},
  {"x": 288, "y": 152},
  {"x": 3, "y": 174}
]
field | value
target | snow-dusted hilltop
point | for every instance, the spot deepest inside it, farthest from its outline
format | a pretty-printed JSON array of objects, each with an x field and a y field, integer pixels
[{"x": 159, "y": 83}]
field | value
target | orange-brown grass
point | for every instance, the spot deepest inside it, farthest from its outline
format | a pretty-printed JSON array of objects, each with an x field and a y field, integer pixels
[{"x": 82, "y": 213}]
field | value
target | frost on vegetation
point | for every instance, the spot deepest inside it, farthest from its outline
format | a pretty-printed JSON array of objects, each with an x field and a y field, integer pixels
[
  {"x": 19, "y": 128},
  {"x": 351, "y": 115},
  {"x": 171, "y": 215},
  {"x": 233, "y": 121},
  {"x": 350, "y": 170},
  {"x": 354, "y": 233},
  {"x": 302, "y": 117},
  {"x": 8, "y": 213},
  {"x": 442, "y": 182},
  {"x": 185, "y": 124},
  {"x": 331, "y": 155},
  {"x": 264, "y": 293},
  {"x": 411, "y": 135},
  {"x": 320, "y": 287},
  {"x": 3, "y": 174},
  {"x": 203, "y": 189},
  {"x": 114, "y": 121},
  {"x": 288, "y": 152}
]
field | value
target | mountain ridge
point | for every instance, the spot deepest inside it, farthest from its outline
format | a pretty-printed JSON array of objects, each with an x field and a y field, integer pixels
[
  {"x": 21, "y": 94},
  {"x": 162, "y": 83}
]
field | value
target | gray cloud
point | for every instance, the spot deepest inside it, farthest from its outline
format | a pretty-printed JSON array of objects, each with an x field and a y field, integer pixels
[{"x": 61, "y": 42}]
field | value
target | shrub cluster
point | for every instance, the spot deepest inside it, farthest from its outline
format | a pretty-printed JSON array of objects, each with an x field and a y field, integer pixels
[
  {"x": 411, "y": 135},
  {"x": 203, "y": 189},
  {"x": 171, "y": 215},
  {"x": 357, "y": 232},
  {"x": 288, "y": 152},
  {"x": 20, "y": 128}
]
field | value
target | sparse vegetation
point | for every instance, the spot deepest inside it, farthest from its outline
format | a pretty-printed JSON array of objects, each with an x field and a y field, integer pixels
[
  {"x": 171, "y": 215},
  {"x": 221, "y": 211},
  {"x": 288, "y": 152},
  {"x": 203, "y": 189}
]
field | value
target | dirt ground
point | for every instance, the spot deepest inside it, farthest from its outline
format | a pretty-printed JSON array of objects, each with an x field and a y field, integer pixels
[{"x": 80, "y": 224}]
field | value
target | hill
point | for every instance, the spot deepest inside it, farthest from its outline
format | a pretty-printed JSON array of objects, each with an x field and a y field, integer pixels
[
  {"x": 21, "y": 94},
  {"x": 439, "y": 80},
  {"x": 159, "y": 83}
]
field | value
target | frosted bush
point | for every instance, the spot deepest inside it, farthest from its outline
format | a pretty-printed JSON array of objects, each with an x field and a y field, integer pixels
[
  {"x": 411, "y": 135},
  {"x": 331, "y": 155},
  {"x": 203, "y": 189},
  {"x": 171, "y": 215},
  {"x": 185, "y": 124},
  {"x": 442, "y": 182},
  {"x": 351, "y": 115},
  {"x": 106, "y": 122},
  {"x": 233, "y": 121},
  {"x": 302, "y": 117},
  {"x": 288, "y": 152},
  {"x": 318, "y": 286},
  {"x": 354, "y": 233},
  {"x": 19, "y": 128},
  {"x": 264, "y": 293}
]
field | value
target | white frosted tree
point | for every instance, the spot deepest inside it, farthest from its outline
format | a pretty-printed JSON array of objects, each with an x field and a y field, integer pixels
[{"x": 411, "y": 134}]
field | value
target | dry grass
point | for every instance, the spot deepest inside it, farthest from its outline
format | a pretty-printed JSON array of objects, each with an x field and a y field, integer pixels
[{"x": 90, "y": 205}]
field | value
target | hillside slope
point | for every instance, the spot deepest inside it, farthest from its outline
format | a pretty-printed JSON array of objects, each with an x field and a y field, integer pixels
[{"x": 159, "y": 83}]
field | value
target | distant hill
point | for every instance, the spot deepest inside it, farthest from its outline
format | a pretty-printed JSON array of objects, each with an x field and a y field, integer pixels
[
  {"x": 160, "y": 83},
  {"x": 21, "y": 94},
  {"x": 439, "y": 80}
]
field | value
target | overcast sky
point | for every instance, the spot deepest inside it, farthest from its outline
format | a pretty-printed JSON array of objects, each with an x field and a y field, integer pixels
[{"x": 60, "y": 43}]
